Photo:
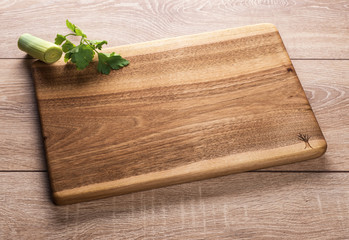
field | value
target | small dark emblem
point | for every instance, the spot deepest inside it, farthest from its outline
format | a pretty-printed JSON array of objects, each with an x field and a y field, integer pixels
[{"x": 305, "y": 138}]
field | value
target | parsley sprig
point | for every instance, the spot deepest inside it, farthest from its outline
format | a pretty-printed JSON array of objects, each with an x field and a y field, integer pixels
[{"x": 82, "y": 54}]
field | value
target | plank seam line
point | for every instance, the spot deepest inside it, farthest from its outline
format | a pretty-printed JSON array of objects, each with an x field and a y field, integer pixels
[
  {"x": 305, "y": 59},
  {"x": 255, "y": 171}
]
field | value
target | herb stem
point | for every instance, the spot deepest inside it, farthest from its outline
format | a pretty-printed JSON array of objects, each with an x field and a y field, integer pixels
[
  {"x": 94, "y": 49},
  {"x": 82, "y": 55},
  {"x": 70, "y": 34}
]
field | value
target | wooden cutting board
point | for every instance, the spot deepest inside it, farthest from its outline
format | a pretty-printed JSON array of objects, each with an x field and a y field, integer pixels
[{"x": 186, "y": 108}]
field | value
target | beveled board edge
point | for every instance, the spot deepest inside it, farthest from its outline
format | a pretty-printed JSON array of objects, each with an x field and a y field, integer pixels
[
  {"x": 195, "y": 171},
  {"x": 192, "y": 172}
]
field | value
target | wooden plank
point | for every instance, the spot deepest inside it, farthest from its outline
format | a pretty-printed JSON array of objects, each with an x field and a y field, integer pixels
[
  {"x": 242, "y": 206},
  {"x": 21, "y": 145},
  {"x": 209, "y": 105},
  {"x": 310, "y": 29},
  {"x": 325, "y": 83}
]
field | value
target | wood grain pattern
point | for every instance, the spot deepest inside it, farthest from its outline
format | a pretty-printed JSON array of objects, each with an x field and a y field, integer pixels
[
  {"x": 241, "y": 206},
  {"x": 325, "y": 83},
  {"x": 327, "y": 88},
  {"x": 185, "y": 109},
  {"x": 20, "y": 142},
  {"x": 284, "y": 207},
  {"x": 325, "y": 34}
]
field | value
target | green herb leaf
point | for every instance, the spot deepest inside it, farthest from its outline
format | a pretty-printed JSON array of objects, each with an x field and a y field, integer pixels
[
  {"x": 75, "y": 29},
  {"x": 103, "y": 66},
  {"x": 108, "y": 61},
  {"x": 82, "y": 54},
  {"x": 59, "y": 39},
  {"x": 70, "y": 25},
  {"x": 67, "y": 56},
  {"x": 67, "y": 46},
  {"x": 79, "y": 32},
  {"x": 98, "y": 44},
  {"x": 116, "y": 61}
]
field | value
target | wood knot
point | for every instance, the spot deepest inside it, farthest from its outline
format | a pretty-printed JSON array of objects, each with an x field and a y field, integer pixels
[{"x": 289, "y": 69}]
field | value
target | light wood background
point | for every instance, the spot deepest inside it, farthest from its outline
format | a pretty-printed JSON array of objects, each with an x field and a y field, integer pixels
[{"x": 308, "y": 200}]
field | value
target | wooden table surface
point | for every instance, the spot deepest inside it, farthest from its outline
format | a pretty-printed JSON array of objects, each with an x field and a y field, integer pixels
[{"x": 308, "y": 200}]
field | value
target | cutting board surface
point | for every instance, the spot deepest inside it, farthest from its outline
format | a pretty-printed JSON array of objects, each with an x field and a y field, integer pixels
[{"x": 186, "y": 108}]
